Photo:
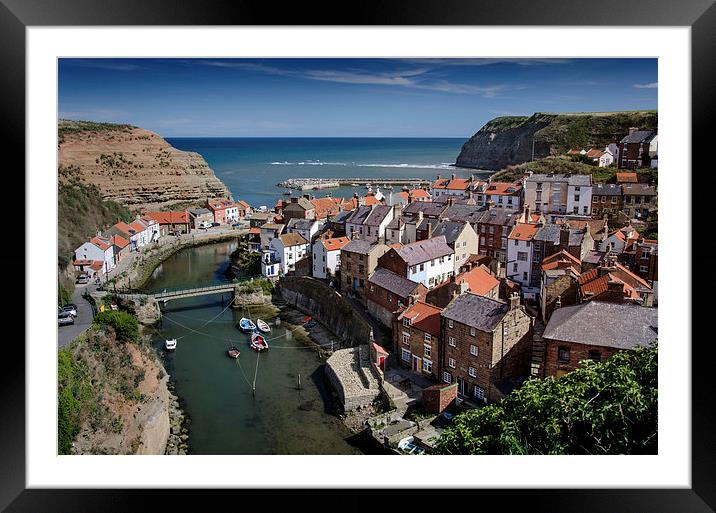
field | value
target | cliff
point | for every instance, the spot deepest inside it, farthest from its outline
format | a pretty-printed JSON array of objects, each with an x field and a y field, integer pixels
[
  {"x": 510, "y": 140},
  {"x": 134, "y": 166}
]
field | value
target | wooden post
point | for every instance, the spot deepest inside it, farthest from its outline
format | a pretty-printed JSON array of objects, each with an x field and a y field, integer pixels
[{"x": 299, "y": 381}]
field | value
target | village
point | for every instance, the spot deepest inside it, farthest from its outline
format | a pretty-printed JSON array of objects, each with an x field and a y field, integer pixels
[{"x": 481, "y": 284}]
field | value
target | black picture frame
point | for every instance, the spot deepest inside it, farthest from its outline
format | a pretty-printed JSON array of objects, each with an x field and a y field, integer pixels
[{"x": 700, "y": 15}]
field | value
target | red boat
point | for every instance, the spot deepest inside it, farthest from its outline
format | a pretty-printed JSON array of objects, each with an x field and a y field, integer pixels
[
  {"x": 258, "y": 343},
  {"x": 233, "y": 352}
]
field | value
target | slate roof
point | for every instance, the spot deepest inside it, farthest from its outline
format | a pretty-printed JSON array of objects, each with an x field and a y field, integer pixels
[
  {"x": 297, "y": 223},
  {"x": 292, "y": 239},
  {"x": 196, "y": 212},
  {"x": 640, "y": 136},
  {"x": 464, "y": 213},
  {"x": 424, "y": 250},
  {"x": 302, "y": 202},
  {"x": 476, "y": 311},
  {"x": 622, "y": 326},
  {"x": 558, "y": 177},
  {"x": 450, "y": 229},
  {"x": 498, "y": 216},
  {"x": 362, "y": 247},
  {"x": 606, "y": 189},
  {"x": 377, "y": 215},
  {"x": 428, "y": 208},
  {"x": 341, "y": 216},
  {"x": 392, "y": 282},
  {"x": 640, "y": 189},
  {"x": 359, "y": 215},
  {"x": 549, "y": 233}
]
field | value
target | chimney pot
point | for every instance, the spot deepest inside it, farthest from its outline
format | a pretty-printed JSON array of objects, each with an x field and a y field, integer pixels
[{"x": 514, "y": 300}]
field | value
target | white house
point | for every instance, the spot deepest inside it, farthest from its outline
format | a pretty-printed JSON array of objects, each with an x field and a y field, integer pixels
[
  {"x": 287, "y": 249},
  {"x": 607, "y": 157},
  {"x": 428, "y": 261},
  {"x": 519, "y": 256},
  {"x": 139, "y": 233},
  {"x": 306, "y": 228},
  {"x": 97, "y": 249},
  {"x": 270, "y": 266},
  {"x": 326, "y": 256},
  {"x": 500, "y": 194},
  {"x": 579, "y": 196}
]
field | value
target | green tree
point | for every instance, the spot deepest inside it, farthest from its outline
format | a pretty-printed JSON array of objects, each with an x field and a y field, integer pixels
[
  {"x": 599, "y": 408},
  {"x": 125, "y": 324}
]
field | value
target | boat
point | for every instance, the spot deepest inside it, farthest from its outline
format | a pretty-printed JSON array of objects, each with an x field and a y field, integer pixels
[
  {"x": 263, "y": 326},
  {"x": 170, "y": 344},
  {"x": 355, "y": 185},
  {"x": 306, "y": 319},
  {"x": 233, "y": 352},
  {"x": 258, "y": 342},
  {"x": 247, "y": 325},
  {"x": 310, "y": 324},
  {"x": 408, "y": 447}
]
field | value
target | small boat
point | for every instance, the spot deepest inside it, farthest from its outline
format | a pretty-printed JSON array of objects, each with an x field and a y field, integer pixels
[
  {"x": 306, "y": 319},
  {"x": 170, "y": 344},
  {"x": 355, "y": 185},
  {"x": 246, "y": 325},
  {"x": 263, "y": 326},
  {"x": 233, "y": 352},
  {"x": 310, "y": 324},
  {"x": 258, "y": 343}
]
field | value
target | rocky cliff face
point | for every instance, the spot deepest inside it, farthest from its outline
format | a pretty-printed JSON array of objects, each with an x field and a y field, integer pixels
[
  {"x": 134, "y": 166},
  {"x": 511, "y": 140}
]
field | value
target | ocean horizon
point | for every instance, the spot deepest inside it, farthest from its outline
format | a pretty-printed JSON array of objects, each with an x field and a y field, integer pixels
[{"x": 251, "y": 167}]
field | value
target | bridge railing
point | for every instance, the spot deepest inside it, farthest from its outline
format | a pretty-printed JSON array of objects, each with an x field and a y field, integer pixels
[{"x": 194, "y": 290}]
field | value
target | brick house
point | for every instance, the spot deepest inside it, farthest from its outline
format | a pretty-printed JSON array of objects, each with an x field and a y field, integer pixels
[
  {"x": 416, "y": 335},
  {"x": 493, "y": 227},
  {"x": 299, "y": 207},
  {"x": 638, "y": 199},
  {"x": 553, "y": 238},
  {"x": 200, "y": 215},
  {"x": 558, "y": 285},
  {"x": 606, "y": 200},
  {"x": 485, "y": 343},
  {"x": 359, "y": 258},
  {"x": 388, "y": 293},
  {"x": 429, "y": 262},
  {"x": 477, "y": 280},
  {"x": 646, "y": 260},
  {"x": 633, "y": 149},
  {"x": 594, "y": 331},
  {"x": 171, "y": 223},
  {"x": 614, "y": 283}
]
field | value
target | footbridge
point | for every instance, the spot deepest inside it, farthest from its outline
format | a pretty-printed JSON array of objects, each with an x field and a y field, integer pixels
[{"x": 167, "y": 294}]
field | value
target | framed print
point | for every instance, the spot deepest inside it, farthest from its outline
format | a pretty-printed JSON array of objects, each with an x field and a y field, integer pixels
[{"x": 241, "y": 196}]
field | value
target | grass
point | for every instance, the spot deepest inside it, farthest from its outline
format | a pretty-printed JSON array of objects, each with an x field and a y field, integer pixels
[
  {"x": 263, "y": 285},
  {"x": 66, "y": 127}
]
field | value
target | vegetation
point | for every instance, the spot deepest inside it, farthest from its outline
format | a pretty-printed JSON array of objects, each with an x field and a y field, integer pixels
[
  {"x": 81, "y": 213},
  {"x": 248, "y": 262},
  {"x": 66, "y": 127},
  {"x": 125, "y": 325},
  {"x": 599, "y": 408},
  {"x": 263, "y": 285},
  {"x": 505, "y": 122},
  {"x": 64, "y": 296}
]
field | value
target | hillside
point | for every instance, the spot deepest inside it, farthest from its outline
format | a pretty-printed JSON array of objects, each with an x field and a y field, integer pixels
[
  {"x": 134, "y": 166},
  {"x": 510, "y": 140}
]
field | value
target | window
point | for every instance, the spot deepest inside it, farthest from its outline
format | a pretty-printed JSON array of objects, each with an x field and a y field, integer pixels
[
  {"x": 432, "y": 263},
  {"x": 451, "y": 363},
  {"x": 482, "y": 228},
  {"x": 472, "y": 332},
  {"x": 472, "y": 371},
  {"x": 427, "y": 366},
  {"x": 563, "y": 354},
  {"x": 576, "y": 197},
  {"x": 406, "y": 321},
  {"x": 514, "y": 268},
  {"x": 576, "y": 188},
  {"x": 584, "y": 209},
  {"x": 604, "y": 199},
  {"x": 473, "y": 350},
  {"x": 614, "y": 199},
  {"x": 422, "y": 267},
  {"x": 479, "y": 393},
  {"x": 405, "y": 355},
  {"x": 524, "y": 276},
  {"x": 595, "y": 356},
  {"x": 447, "y": 377},
  {"x": 522, "y": 255},
  {"x": 428, "y": 337},
  {"x": 427, "y": 349},
  {"x": 372, "y": 288},
  {"x": 516, "y": 242},
  {"x": 451, "y": 341},
  {"x": 492, "y": 229},
  {"x": 482, "y": 241},
  {"x": 449, "y": 323},
  {"x": 643, "y": 269},
  {"x": 595, "y": 199}
]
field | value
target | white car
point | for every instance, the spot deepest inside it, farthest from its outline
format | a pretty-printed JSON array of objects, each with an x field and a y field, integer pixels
[{"x": 204, "y": 225}]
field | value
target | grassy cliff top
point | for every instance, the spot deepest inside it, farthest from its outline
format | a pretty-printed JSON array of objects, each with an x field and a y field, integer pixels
[{"x": 69, "y": 126}]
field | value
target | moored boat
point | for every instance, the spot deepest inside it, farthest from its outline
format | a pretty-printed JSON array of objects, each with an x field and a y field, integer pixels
[
  {"x": 247, "y": 325},
  {"x": 170, "y": 344},
  {"x": 258, "y": 343},
  {"x": 233, "y": 352},
  {"x": 263, "y": 326}
]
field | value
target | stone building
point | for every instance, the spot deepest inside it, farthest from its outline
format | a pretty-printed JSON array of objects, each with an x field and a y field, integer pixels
[
  {"x": 359, "y": 258},
  {"x": 486, "y": 345},
  {"x": 389, "y": 293},
  {"x": 416, "y": 334}
]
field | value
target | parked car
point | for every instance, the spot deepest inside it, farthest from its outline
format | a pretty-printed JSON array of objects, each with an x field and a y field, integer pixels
[
  {"x": 65, "y": 318},
  {"x": 70, "y": 309},
  {"x": 215, "y": 224},
  {"x": 204, "y": 225},
  {"x": 83, "y": 278}
]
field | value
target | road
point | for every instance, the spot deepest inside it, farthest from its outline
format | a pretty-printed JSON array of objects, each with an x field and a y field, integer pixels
[{"x": 66, "y": 334}]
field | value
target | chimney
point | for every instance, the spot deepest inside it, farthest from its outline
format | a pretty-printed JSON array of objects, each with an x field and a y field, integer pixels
[
  {"x": 438, "y": 177},
  {"x": 294, "y": 199},
  {"x": 430, "y": 229},
  {"x": 527, "y": 214},
  {"x": 452, "y": 176},
  {"x": 558, "y": 303},
  {"x": 450, "y": 201},
  {"x": 564, "y": 236},
  {"x": 420, "y": 215},
  {"x": 410, "y": 198},
  {"x": 472, "y": 178},
  {"x": 632, "y": 130},
  {"x": 514, "y": 300}
]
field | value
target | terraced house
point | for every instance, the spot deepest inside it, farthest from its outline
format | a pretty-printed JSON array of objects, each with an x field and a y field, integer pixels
[
  {"x": 416, "y": 335},
  {"x": 429, "y": 262},
  {"x": 359, "y": 258},
  {"x": 487, "y": 346}
]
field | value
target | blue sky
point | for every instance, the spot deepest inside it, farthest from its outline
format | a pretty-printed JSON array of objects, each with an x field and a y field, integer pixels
[{"x": 344, "y": 97}]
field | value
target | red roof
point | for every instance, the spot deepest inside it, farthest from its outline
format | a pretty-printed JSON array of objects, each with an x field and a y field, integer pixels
[
  {"x": 103, "y": 244},
  {"x": 168, "y": 217},
  {"x": 561, "y": 256},
  {"x": 350, "y": 204},
  {"x": 503, "y": 188},
  {"x": 627, "y": 178},
  {"x": 325, "y": 207},
  {"x": 245, "y": 205},
  {"x": 220, "y": 204},
  {"x": 124, "y": 228},
  {"x": 335, "y": 244},
  {"x": 97, "y": 265},
  {"x": 137, "y": 226},
  {"x": 371, "y": 200},
  {"x": 595, "y": 154},
  {"x": 423, "y": 316},
  {"x": 120, "y": 242},
  {"x": 454, "y": 184},
  {"x": 255, "y": 230},
  {"x": 480, "y": 281},
  {"x": 524, "y": 231},
  {"x": 82, "y": 262}
]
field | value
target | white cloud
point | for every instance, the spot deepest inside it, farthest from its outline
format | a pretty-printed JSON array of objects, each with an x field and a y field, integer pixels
[{"x": 651, "y": 85}]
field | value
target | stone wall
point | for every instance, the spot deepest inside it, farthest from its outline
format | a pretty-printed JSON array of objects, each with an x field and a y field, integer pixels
[
  {"x": 323, "y": 303},
  {"x": 343, "y": 370}
]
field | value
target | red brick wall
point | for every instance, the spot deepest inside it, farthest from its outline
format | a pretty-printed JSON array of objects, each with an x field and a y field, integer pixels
[
  {"x": 577, "y": 352},
  {"x": 437, "y": 398},
  {"x": 392, "y": 261},
  {"x": 416, "y": 346}
]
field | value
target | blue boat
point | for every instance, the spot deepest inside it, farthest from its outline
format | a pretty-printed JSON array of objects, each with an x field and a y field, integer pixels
[{"x": 246, "y": 325}]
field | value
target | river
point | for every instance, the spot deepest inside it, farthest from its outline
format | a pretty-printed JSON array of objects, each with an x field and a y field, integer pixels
[{"x": 216, "y": 391}]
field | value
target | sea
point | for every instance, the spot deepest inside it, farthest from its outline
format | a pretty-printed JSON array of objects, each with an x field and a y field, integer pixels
[{"x": 252, "y": 167}]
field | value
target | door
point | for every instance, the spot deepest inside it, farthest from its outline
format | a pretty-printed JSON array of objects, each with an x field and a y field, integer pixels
[
  {"x": 461, "y": 386},
  {"x": 417, "y": 364},
  {"x": 381, "y": 363}
]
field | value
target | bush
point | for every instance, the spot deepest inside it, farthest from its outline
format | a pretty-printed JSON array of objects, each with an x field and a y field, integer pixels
[
  {"x": 125, "y": 325},
  {"x": 63, "y": 295}
]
